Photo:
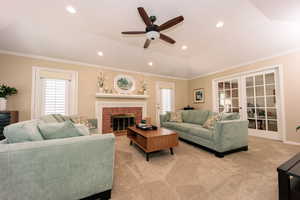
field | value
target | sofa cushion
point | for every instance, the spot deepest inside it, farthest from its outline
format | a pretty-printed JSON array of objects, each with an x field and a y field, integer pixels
[
  {"x": 230, "y": 116},
  {"x": 199, "y": 131},
  {"x": 22, "y": 132},
  {"x": 212, "y": 119},
  {"x": 176, "y": 116},
  {"x": 183, "y": 127},
  {"x": 84, "y": 130},
  {"x": 59, "y": 130},
  {"x": 195, "y": 116},
  {"x": 48, "y": 119}
]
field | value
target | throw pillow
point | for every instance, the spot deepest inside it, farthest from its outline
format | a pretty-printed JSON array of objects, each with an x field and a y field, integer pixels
[
  {"x": 22, "y": 132},
  {"x": 230, "y": 116},
  {"x": 210, "y": 122},
  {"x": 82, "y": 129},
  {"x": 176, "y": 116},
  {"x": 58, "y": 130}
]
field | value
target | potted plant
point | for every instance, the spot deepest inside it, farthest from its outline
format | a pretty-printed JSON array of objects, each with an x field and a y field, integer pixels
[
  {"x": 297, "y": 128},
  {"x": 5, "y": 91}
]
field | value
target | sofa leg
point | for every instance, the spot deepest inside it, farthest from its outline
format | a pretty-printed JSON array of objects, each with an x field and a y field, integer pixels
[
  {"x": 245, "y": 148},
  {"x": 219, "y": 154}
]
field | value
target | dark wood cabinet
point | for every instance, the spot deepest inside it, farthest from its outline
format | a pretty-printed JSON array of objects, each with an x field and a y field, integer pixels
[{"x": 6, "y": 118}]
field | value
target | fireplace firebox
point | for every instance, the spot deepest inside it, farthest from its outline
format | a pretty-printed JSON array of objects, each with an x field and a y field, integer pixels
[{"x": 120, "y": 122}]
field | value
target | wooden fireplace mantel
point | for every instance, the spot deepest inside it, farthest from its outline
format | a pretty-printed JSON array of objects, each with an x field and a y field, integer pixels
[{"x": 121, "y": 96}]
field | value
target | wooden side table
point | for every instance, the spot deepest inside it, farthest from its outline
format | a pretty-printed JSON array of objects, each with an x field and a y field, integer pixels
[{"x": 6, "y": 118}]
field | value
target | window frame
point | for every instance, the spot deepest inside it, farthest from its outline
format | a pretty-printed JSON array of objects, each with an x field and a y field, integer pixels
[{"x": 37, "y": 90}]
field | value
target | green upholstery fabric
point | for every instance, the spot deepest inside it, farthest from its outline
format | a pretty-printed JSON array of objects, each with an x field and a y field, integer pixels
[
  {"x": 58, "y": 130},
  {"x": 82, "y": 129},
  {"x": 199, "y": 131},
  {"x": 226, "y": 135},
  {"x": 195, "y": 116},
  {"x": 48, "y": 119},
  {"x": 22, "y": 132},
  {"x": 230, "y": 116},
  {"x": 62, "y": 169}
]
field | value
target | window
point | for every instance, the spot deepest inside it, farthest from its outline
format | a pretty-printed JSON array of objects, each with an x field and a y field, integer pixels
[
  {"x": 55, "y": 96},
  {"x": 54, "y": 92},
  {"x": 166, "y": 100}
]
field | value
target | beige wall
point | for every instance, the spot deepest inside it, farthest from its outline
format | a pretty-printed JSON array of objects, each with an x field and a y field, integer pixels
[
  {"x": 291, "y": 74},
  {"x": 16, "y": 71}
]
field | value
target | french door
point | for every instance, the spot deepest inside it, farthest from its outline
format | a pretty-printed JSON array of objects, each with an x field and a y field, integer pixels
[{"x": 255, "y": 97}]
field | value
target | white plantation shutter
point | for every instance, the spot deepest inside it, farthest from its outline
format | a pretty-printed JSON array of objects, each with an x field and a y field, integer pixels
[
  {"x": 55, "y": 96},
  {"x": 166, "y": 100}
]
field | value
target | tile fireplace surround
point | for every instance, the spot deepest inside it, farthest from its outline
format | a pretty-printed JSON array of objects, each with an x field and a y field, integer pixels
[{"x": 104, "y": 110}]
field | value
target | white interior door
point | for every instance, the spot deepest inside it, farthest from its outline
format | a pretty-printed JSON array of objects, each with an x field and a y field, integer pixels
[
  {"x": 228, "y": 95},
  {"x": 165, "y": 98},
  {"x": 262, "y": 103}
]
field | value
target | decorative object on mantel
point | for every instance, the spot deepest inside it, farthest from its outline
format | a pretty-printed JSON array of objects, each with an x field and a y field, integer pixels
[
  {"x": 100, "y": 82},
  {"x": 199, "y": 95},
  {"x": 5, "y": 91},
  {"x": 143, "y": 89},
  {"x": 124, "y": 84},
  {"x": 298, "y": 128}
]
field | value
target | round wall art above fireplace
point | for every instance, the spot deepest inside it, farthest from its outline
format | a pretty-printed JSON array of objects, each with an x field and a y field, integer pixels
[{"x": 124, "y": 84}]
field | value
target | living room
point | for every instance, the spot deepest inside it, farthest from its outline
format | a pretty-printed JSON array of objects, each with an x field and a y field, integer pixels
[{"x": 150, "y": 100}]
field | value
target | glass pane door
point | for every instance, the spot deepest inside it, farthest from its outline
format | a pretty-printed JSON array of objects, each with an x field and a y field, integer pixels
[
  {"x": 228, "y": 99},
  {"x": 261, "y": 102}
]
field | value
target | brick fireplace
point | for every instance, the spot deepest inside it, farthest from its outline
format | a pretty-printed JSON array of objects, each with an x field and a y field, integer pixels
[
  {"x": 108, "y": 113},
  {"x": 106, "y": 110}
]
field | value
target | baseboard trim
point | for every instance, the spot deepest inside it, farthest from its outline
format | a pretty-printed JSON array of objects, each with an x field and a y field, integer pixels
[{"x": 292, "y": 143}]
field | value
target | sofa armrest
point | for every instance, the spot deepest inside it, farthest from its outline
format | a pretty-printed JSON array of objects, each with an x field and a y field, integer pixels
[
  {"x": 69, "y": 168},
  {"x": 163, "y": 118},
  {"x": 231, "y": 134}
]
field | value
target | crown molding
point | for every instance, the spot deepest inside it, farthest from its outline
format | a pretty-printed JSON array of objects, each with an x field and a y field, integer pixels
[
  {"x": 87, "y": 64},
  {"x": 247, "y": 63}
]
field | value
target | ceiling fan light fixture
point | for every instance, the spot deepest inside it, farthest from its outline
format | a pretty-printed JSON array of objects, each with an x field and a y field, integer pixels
[
  {"x": 152, "y": 35},
  {"x": 184, "y": 47},
  {"x": 220, "y": 24},
  {"x": 71, "y": 9},
  {"x": 150, "y": 63}
]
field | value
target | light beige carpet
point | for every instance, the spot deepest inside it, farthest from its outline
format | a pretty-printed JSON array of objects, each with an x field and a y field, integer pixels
[{"x": 195, "y": 174}]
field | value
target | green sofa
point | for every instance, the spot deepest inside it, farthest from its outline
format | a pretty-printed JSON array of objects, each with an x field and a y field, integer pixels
[
  {"x": 59, "y": 169},
  {"x": 228, "y": 134}
]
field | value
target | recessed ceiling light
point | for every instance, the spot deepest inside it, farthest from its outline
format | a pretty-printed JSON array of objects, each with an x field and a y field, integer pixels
[
  {"x": 71, "y": 9},
  {"x": 184, "y": 47},
  {"x": 100, "y": 53},
  {"x": 150, "y": 63},
  {"x": 220, "y": 24}
]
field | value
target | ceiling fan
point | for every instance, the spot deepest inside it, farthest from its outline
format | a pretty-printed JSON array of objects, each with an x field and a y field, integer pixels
[{"x": 153, "y": 31}]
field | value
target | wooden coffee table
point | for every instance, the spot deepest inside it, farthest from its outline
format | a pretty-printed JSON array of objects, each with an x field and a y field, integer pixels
[{"x": 153, "y": 140}]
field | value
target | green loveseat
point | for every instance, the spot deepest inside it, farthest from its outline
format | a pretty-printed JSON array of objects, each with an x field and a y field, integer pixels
[
  {"x": 59, "y": 169},
  {"x": 228, "y": 134}
]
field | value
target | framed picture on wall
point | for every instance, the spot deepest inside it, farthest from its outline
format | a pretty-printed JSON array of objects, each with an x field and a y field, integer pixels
[{"x": 199, "y": 95}]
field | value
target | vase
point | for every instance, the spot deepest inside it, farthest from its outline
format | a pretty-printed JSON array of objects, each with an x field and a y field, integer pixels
[{"x": 3, "y": 103}]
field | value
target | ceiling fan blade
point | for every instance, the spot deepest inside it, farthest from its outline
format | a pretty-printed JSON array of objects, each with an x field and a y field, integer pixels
[
  {"x": 133, "y": 32},
  {"x": 147, "y": 43},
  {"x": 171, "y": 23},
  {"x": 167, "y": 38},
  {"x": 144, "y": 16}
]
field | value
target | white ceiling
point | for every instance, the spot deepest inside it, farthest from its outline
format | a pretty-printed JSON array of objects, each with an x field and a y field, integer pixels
[{"x": 253, "y": 29}]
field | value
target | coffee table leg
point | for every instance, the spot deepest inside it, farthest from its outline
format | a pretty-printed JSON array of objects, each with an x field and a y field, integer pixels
[
  {"x": 130, "y": 142},
  {"x": 147, "y": 156},
  {"x": 171, "y": 150}
]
